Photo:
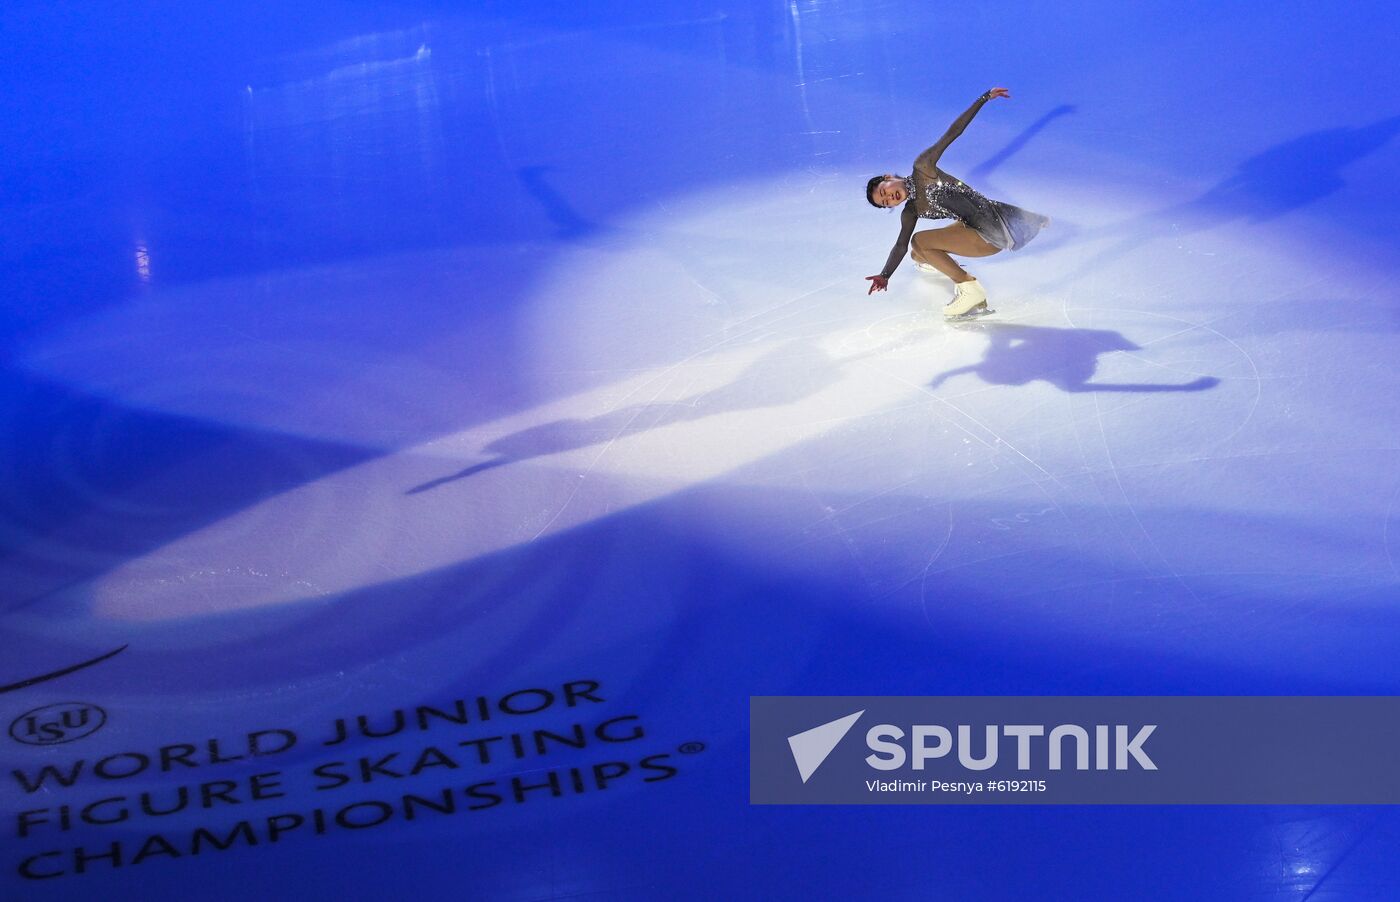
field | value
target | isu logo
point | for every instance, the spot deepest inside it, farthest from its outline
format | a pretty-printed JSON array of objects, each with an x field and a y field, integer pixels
[{"x": 57, "y": 724}]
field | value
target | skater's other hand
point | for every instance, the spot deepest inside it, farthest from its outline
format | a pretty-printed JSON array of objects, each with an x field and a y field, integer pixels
[
  {"x": 877, "y": 283},
  {"x": 998, "y": 92}
]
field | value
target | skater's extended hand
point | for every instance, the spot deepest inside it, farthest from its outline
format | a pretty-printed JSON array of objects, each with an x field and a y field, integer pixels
[
  {"x": 994, "y": 93},
  {"x": 877, "y": 283}
]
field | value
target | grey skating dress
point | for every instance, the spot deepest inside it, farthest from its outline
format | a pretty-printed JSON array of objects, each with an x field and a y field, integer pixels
[{"x": 938, "y": 195}]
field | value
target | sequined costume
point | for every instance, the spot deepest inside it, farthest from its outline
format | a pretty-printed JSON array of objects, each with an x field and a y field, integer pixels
[{"x": 934, "y": 194}]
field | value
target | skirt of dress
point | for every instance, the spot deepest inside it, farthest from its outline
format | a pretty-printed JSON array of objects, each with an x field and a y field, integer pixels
[{"x": 1007, "y": 226}]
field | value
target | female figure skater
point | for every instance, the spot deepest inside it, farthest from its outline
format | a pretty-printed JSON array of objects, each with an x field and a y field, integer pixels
[{"x": 984, "y": 227}]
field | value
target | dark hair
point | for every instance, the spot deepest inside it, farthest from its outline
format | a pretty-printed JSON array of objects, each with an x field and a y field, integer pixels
[{"x": 870, "y": 187}]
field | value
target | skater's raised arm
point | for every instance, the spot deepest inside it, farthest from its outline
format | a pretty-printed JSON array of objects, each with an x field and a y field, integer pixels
[
  {"x": 927, "y": 162},
  {"x": 908, "y": 218}
]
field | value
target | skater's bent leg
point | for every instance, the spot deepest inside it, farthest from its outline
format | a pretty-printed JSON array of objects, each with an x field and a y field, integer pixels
[
  {"x": 934, "y": 246},
  {"x": 957, "y": 239},
  {"x": 940, "y": 261}
]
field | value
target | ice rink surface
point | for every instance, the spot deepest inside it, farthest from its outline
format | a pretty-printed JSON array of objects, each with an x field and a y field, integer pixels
[{"x": 372, "y": 356}]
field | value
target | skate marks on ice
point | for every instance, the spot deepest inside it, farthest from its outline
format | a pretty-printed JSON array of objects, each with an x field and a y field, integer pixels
[{"x": 1066, "y": 358}]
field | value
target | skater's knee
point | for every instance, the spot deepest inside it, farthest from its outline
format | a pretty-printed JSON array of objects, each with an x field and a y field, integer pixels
[{"x": 923, "y": 245}]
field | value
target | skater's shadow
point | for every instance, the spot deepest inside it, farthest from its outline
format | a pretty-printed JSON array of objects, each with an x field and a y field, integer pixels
[
  {"x": 568, "y": 223},
  {"x": 982, "y": 172},
  {"x": 1286, "y": 177},
  {"x": 1270, "y": 184},
  {"x": 1066, "y": 358},
  {"x": 785, "y": 375}
]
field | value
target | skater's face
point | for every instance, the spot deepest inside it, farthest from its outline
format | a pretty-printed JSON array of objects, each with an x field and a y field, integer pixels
[{"x": 891, "y": 192}]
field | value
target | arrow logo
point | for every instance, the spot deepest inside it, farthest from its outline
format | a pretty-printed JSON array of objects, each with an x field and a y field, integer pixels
[{"x": 811, "y": 747}]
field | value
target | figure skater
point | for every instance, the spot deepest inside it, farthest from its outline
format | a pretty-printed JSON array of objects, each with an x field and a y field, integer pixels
[{"x": 984, "y": 227}]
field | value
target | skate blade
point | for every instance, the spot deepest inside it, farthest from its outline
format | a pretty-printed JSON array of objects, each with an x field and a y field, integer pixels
[{"x": 974, "y": 313}]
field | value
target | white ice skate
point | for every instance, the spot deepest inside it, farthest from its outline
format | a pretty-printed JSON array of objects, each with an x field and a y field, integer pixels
[
  {"x": 969, "y": 302},
  {"x": 927, "y": 269}
]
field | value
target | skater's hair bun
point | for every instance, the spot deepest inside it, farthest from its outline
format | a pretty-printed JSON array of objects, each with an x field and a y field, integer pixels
[{"x": 870, "y": 187}]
